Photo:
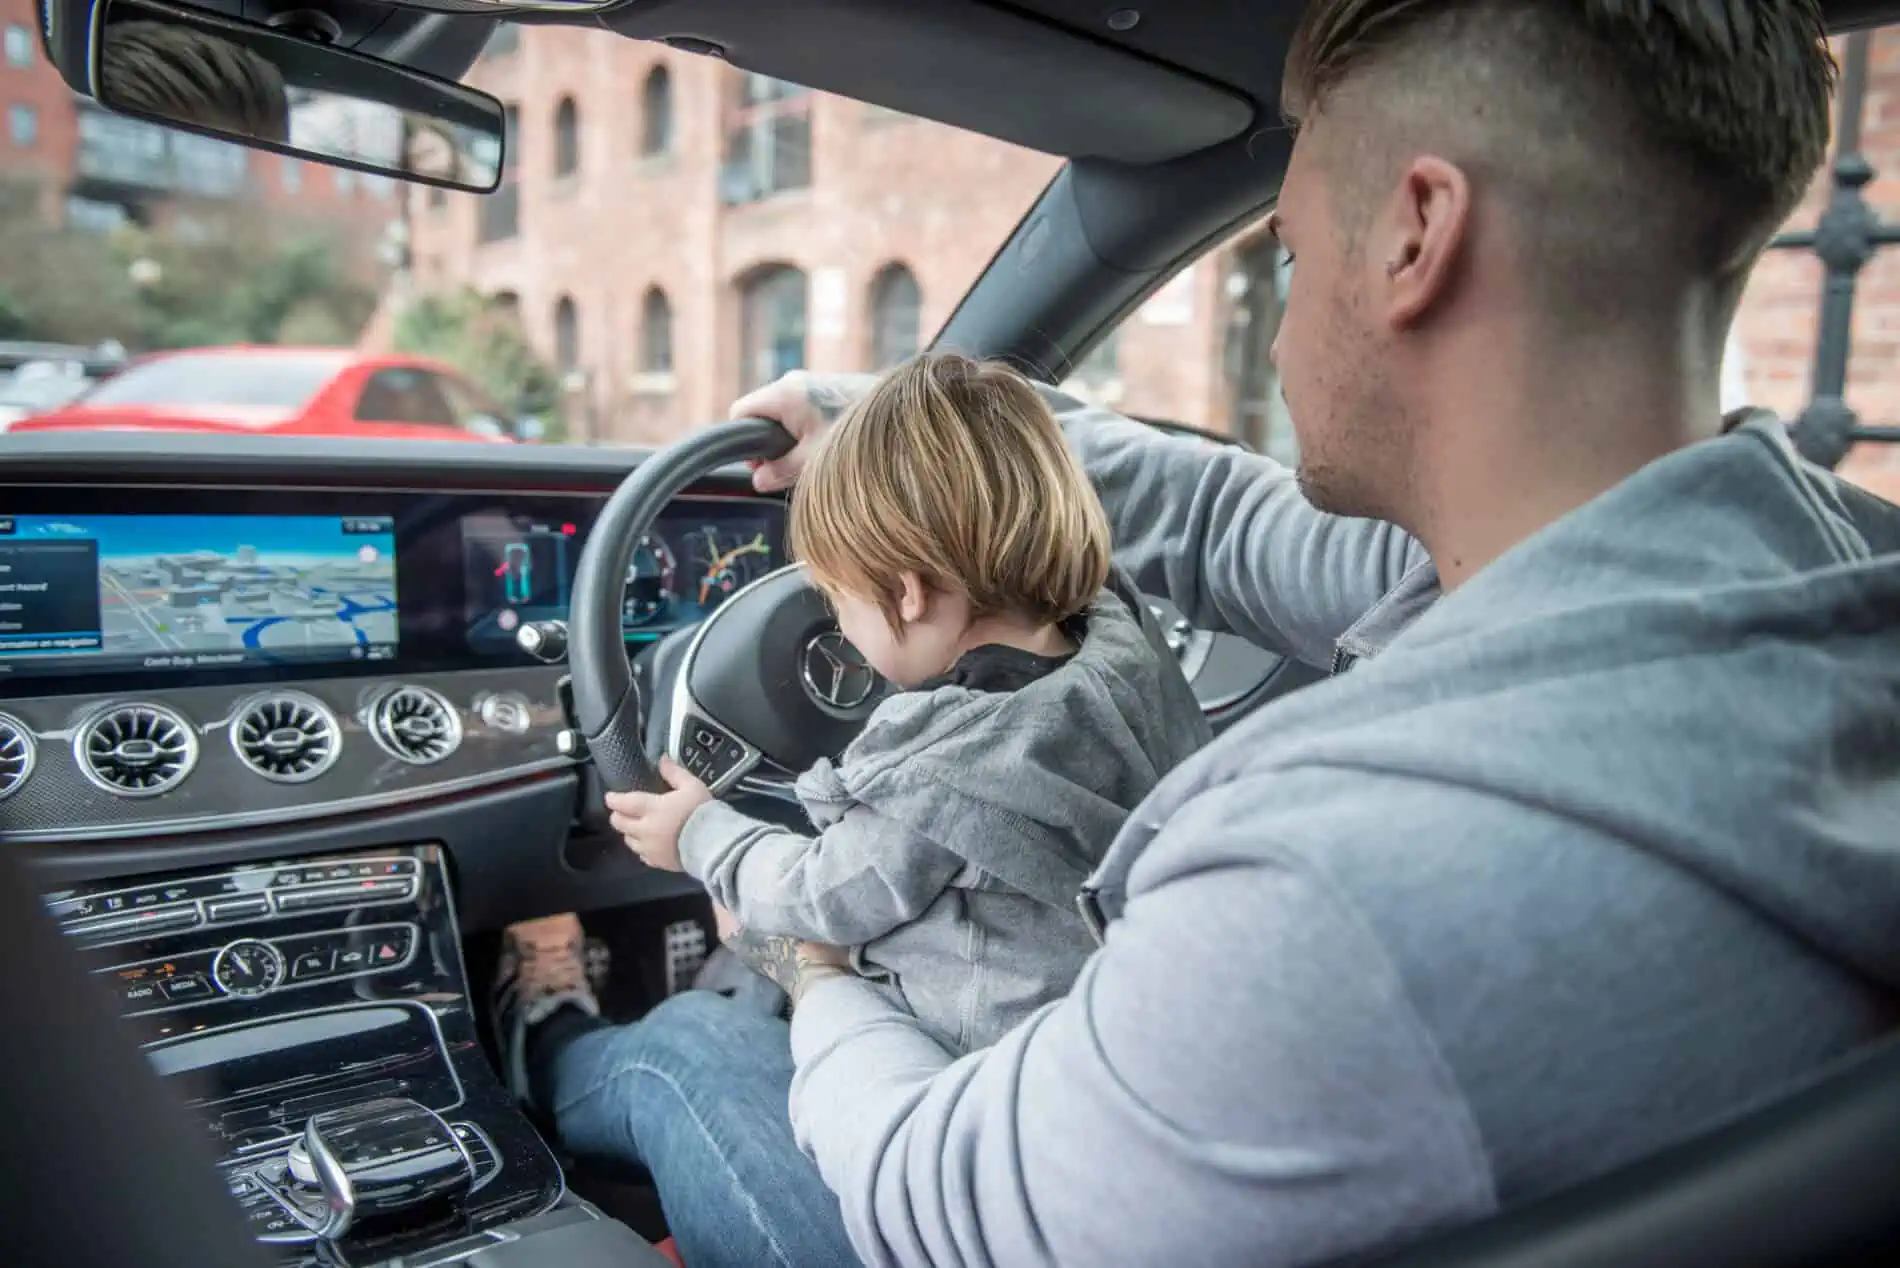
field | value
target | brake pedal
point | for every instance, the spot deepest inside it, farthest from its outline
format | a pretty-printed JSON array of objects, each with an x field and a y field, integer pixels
[
  {"x": 685, "y": 954},
  {"x": 599, "y": 961}
]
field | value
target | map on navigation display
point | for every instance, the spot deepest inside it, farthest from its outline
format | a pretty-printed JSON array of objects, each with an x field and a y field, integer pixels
[{"x": 174, "y": 591}]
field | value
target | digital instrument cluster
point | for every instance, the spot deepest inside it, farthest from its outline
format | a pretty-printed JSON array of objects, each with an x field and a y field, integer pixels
[{"x": 520, "y": 568}]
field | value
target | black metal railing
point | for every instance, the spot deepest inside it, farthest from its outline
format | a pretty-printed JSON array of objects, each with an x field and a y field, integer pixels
[{"x": 1846, "y": 238}]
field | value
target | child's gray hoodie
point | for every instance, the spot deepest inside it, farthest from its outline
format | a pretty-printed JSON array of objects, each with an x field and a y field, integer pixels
[{"x": 958, "y": 828}]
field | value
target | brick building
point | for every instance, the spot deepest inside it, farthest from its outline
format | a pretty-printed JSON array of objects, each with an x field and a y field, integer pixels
[
  {"x": 99, "y": 169},
  {"x": 674, "y": 231}
]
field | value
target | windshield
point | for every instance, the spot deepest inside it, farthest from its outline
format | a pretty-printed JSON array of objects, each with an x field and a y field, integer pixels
[
  {"x": 245, "y": 380},
  {"x": 669, "y": 232}
]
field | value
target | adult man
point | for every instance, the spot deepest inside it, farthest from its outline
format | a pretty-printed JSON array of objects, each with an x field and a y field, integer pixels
[{"x": 1593, "y": 847}]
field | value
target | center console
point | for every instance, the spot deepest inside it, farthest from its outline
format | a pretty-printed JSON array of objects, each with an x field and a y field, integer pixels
[{"x": 316, "y": 1015}]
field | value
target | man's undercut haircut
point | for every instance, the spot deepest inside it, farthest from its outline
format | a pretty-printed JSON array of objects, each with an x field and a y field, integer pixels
[
  {"x": 953, "y": 469},
  {"x": 178, "y": 73},
  {"x": 1638, "y": 142}
]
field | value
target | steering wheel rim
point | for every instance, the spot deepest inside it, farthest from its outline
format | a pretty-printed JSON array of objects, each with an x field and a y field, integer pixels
[{"x": 607, "y": 705}]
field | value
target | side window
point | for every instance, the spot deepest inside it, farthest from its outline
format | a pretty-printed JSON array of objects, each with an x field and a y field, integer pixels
[
  {"x": 404, "y": 396},
  {"x": 1197, "y": 352}
]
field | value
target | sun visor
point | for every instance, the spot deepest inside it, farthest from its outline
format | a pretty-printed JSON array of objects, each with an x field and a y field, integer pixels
[{"x": 985, "y": 69}]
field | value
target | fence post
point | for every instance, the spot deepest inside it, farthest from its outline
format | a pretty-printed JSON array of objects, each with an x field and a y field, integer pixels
[{"x": 1846, "y": 238}]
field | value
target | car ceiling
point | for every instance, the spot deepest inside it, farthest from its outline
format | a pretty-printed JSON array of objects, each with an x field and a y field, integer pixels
[
  {"x": 1214, "y": 39},
  {"x": 1081, "y": 78}
]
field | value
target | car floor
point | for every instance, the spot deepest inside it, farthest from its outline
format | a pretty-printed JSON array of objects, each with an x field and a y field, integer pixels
[{"x": 636, "y": 945}]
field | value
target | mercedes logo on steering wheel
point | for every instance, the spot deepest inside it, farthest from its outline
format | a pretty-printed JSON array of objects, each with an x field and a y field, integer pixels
[{"x": 836, "y": 673}]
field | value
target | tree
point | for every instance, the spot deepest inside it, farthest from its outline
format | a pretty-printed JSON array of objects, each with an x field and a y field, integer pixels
[
  {"x": 236, "y": 279},
  {"x": 211, "y": 275},
  {"x": 59, "y": 285},
  {"x": 484, "y": 340}
]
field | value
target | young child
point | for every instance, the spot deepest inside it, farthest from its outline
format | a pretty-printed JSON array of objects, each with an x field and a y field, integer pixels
[{"x": 966, "y": 557}]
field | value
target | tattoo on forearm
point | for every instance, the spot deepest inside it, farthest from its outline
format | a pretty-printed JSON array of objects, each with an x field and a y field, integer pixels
[
  {"x": 783, "y": 961},
  {"x": 833, "y": 394},
  {"x": 771, "y": 957}
]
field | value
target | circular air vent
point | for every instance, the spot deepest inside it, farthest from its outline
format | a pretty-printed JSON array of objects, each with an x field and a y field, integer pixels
[
  {"x": 136, "y": 750},
  {"x": 16, "y": 755},
  {"x": 415, "y": 724},
  {"x": 286, "y": 736}
]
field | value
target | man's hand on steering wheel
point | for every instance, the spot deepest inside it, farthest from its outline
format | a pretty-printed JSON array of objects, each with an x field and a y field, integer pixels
[{"x": 804, "y": 404}]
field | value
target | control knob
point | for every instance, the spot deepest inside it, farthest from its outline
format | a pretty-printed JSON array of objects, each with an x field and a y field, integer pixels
[
  {"x": 546, "y": 641},
  {"x": 248, "y": 968}
]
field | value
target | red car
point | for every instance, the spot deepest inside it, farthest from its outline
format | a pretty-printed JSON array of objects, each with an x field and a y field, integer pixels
[{"x": 283, "y": 391}]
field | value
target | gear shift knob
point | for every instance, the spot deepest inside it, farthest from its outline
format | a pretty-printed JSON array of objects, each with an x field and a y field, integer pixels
[{"x": 371, "y": 1159}]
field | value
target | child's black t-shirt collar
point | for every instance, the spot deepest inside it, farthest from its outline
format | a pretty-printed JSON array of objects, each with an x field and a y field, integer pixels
[{"x": 1000, "y": 667}]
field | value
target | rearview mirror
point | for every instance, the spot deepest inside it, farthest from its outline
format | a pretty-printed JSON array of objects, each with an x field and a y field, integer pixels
[{"x": 277, "y": 91}]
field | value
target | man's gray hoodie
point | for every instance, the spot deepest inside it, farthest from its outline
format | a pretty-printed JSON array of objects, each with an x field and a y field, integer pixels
[
  {"x": 1588, "y": 856},
  {"x": 959, "y": 827}
]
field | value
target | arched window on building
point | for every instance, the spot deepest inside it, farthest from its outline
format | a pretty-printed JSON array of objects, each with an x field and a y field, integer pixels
[
  {"x": 656, "y": 333},
  {"x": 771, "y": 324},
  {"x": 896, "y": 316},
  {"x": 567, "y": 335},
  {"x": 656, "y": 113},
  {"x": 567, "y": 138},
  {"x": 768, "y": 140}
]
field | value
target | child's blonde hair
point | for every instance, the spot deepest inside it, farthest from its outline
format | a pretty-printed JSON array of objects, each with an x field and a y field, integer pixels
[{"x": 956, "y": 470}]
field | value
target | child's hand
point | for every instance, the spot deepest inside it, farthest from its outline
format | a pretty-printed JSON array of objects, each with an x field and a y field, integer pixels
[{"x": 651, "y": 822}]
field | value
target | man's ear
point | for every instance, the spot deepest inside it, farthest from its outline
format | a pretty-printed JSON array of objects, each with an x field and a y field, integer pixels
[
  {"x": 1422, "y": 237},
  {"x": 913, "y": 598}
]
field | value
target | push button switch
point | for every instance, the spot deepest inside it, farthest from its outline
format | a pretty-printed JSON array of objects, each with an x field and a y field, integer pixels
[
  {"x": 143, "y": 994},
  {"x": 186, "y": 989},
  {"x": 390, "y": 948},
  {"x": 248, "y": 908},
  {"x": 708, "y": 752},
  {"x": 317, "y": 963}
]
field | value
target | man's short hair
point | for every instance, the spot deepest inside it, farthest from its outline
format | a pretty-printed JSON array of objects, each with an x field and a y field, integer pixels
[
  {"x": 167, "y": 71},
  {"x": 1684, "y": 130},
  {"x": 953, "y": 469}
]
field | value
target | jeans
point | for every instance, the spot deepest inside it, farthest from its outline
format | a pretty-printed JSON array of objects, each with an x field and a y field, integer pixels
[{"x": 696, "y": 1091}]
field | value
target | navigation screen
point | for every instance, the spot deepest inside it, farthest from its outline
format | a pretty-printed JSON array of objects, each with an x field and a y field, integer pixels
[
  {"x": 519, "y": 569},
  {"x": 154, "y": 592}
]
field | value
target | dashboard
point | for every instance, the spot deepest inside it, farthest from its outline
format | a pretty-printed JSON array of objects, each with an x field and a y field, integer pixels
[
  {"x": 236, "y": 648},
  {"x": 195, "y": 655}
]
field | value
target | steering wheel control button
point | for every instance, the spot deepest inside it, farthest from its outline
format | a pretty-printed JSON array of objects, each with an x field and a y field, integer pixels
[
  {"x": 709, "y": 753},
  {"x": 506, "y": 711},
  {"x": 248, "y": 968}
]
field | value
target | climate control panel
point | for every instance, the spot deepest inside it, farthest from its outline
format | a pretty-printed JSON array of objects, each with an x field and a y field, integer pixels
[
  {"x": 240, "y": 896},
  {"x": 247, "y": 933}
]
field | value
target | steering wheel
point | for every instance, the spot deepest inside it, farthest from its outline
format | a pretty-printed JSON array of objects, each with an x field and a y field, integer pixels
[{"x": 766, "y": 681}]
